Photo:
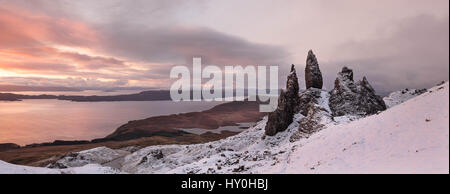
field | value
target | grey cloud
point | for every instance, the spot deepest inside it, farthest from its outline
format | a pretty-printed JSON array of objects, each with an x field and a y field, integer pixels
[
  {"x": 415, "y": 55},
  {"x": 410, "y": 53},
  {"x": 148, "y": 31},
  {"x": 142, "y": 12},
  {"x": 39, "y": 67},
  {"x": 93, "y": 62},
  {"x": 68, "y": 82},
  {"x": 179, "y": 44}
]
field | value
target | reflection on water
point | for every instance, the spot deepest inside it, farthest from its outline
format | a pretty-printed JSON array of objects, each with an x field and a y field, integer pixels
[{"x": 36, "y": 121}]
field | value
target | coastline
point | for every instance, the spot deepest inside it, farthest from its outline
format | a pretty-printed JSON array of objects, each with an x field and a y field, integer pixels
[{"x": 159, "y": 130}]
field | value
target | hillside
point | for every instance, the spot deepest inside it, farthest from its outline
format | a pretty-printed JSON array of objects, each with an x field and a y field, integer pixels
[
  {"x": 401, "y": 96},
  {"x": 412, "y": 137},
  {"x": 388, "y": 142}
]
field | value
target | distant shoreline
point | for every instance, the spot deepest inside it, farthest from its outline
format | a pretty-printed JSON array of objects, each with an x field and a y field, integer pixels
[
  {"x": 151, "y": 95},
  {"x": 164, "y": 125},
  {"x": 158, "y": 130},
  {"x": 157, "y": 95}
]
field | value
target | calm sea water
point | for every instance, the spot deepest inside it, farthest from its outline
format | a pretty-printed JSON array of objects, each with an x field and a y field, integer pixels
[{"x": 37, "y": 121}]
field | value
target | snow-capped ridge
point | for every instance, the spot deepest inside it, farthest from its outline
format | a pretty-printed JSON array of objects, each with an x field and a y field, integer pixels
[{"x": 401, "y": 96}]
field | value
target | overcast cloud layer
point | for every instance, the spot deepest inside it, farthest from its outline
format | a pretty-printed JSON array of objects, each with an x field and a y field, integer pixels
[{"x": 108, "y": 43}]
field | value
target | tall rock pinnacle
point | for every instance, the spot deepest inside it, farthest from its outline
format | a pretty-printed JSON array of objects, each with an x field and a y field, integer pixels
[
  {"x": 288, "y": 101},
  {"x": 313, "y": 76},
  {"x": 292, "y": 87}
]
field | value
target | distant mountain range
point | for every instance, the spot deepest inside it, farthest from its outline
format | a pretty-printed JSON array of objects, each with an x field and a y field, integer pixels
[
  {"x": 142, "y": 96},
  {"x": 151, "y": 95},
  {"x": 21, "y": 88}
]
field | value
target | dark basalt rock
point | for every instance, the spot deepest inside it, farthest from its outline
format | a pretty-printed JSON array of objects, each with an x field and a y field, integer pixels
[
  {"x": 306, "y": 97},
  {"x": 158, "y": 154},
  {"x": 312, "y": 122},
  {"x": 57, "y": 165},
  {"x": 288, "y": 101},
  {"x": 415, "y": 92},
  {"x": 348, "y": 98},
  {"x": 292, "y": 89},
  {"x": 313, "y": 76},
  {"x": 369, "y": 101},
  {"x": 279, "y": 119}
]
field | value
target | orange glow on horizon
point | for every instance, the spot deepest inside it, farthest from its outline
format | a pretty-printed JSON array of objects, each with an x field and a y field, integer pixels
[{"x": 37, "y": 45}]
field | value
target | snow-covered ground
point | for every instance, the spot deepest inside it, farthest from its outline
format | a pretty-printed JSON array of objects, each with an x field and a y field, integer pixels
[
  {"x": 7, "y": 168},
  {"x": 411, "y": 137},
  {"x": 401, "y": 96}
]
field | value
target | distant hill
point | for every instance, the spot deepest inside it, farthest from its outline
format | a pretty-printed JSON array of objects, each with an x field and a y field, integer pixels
[
  {"x": 151, "y": 95},
  {"x": 142, "y": 96}
]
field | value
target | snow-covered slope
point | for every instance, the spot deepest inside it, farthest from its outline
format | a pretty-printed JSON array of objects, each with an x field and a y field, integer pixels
[
  {"x": 412, "y": 137},
  {"x": 7, "y": 168},
  {"x": 401, "y": 96},
  {"x": 100, "y": 155}
]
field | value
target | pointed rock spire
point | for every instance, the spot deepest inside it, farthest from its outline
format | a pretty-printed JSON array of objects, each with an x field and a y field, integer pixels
[
  {"x": 292, "y": 86},
  {"x": 313, "y": 76},
  {"x": 288, "y": 101}
]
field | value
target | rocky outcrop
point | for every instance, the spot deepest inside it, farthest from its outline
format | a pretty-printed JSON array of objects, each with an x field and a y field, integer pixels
[
  {"x": 309, "y": 101},
  {"x": 315, "y": 120},
  {"x": 318, "y": 106},
  {"x": 307, "y": 97},
  {"x": 313, "y": 76},
  {"x": 350, "y": 98},
  {"x": 401, "y": 96},
  {"x": 288, "y": 101},
  {"x": 369, "y": 101},
  {"x": 291, "y": 102},
  {"x": 99, "y": 155}
]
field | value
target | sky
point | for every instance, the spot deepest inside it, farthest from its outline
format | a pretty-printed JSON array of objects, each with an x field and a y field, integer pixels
[{"x": 112, "y": 43}]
